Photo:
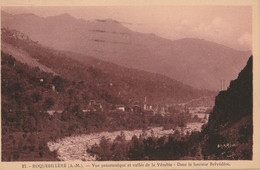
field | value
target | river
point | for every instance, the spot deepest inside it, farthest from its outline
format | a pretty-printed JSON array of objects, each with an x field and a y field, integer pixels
[{"x": 73, "y": 148}]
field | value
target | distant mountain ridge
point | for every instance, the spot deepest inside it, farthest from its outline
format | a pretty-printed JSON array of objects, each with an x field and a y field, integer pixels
[
  {"x": 199, "y": 63},
  {"x": 124, "y": 83}
]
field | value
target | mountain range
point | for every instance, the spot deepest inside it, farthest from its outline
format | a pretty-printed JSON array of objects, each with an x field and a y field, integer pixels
[
  {"x": 109, "y": 80},
  {"x": 196, "y": 62}
]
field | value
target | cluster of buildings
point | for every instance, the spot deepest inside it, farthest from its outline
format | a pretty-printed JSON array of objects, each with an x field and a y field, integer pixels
[
  {"x": 93, "y": 106},
  {"x": 200, "y": 112},
  {"x": 145, "y": 107},
  {"x": 140, "y": 107}
]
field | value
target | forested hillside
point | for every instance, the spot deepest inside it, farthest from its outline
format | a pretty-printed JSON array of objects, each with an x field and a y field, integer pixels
[{"x": 28, "y": 95}]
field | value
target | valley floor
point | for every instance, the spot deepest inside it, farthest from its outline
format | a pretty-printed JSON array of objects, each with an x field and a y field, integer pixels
[{"x": 74, "y": 148}]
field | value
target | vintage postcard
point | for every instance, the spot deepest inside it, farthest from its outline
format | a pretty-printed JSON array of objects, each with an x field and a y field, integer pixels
[{"x": 130, "y": 84}]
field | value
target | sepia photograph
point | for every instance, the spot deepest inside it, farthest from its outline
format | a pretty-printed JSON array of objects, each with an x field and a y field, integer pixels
[{"x": 127, "y": 83}]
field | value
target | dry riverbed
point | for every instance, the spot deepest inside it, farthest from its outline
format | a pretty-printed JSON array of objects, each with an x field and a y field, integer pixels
[{"x": 73, "y": 148}]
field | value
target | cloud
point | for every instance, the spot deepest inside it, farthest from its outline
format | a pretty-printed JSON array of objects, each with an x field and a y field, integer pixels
[
  {"x": 245, "y": 39},
  {"x": 216, "y": 29},
  {"x": 218, "y": 22}
]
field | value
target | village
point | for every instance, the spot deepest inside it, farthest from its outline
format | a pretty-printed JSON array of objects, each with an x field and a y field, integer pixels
[
  {"x": 197, "y": 111},
  {"x": 200, "y": 113}
]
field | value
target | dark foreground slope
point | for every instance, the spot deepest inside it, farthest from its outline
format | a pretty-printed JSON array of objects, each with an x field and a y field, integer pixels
[{"x": 228, "y": 134}]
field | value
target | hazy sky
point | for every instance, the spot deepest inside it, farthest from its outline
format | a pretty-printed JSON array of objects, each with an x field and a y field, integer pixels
[{"x": 228, "y": 25}]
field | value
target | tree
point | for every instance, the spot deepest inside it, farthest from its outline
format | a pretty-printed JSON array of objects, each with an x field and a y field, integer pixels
[
  {"x": 49, "y": 102},
  {"x": 105, "y": 153},
  {"x": 36, "y": 97},
  {"x": 136, "y": 150},
  {"x": 29, "y": 124},
  {"x": 58, "y": 82}
]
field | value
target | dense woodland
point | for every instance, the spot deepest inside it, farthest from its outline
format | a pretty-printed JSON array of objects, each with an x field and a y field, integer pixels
[
  {"x": 27, "y": 94},
  {"x": 173, "y": 147}
]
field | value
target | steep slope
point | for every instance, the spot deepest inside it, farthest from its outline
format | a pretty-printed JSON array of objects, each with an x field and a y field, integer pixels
[
  {"x": 111, "y": 79},
  {"x": 21, "y": 55},
  {"x": 196, "y": 62},
  {"x": 228, "y": 134}
]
